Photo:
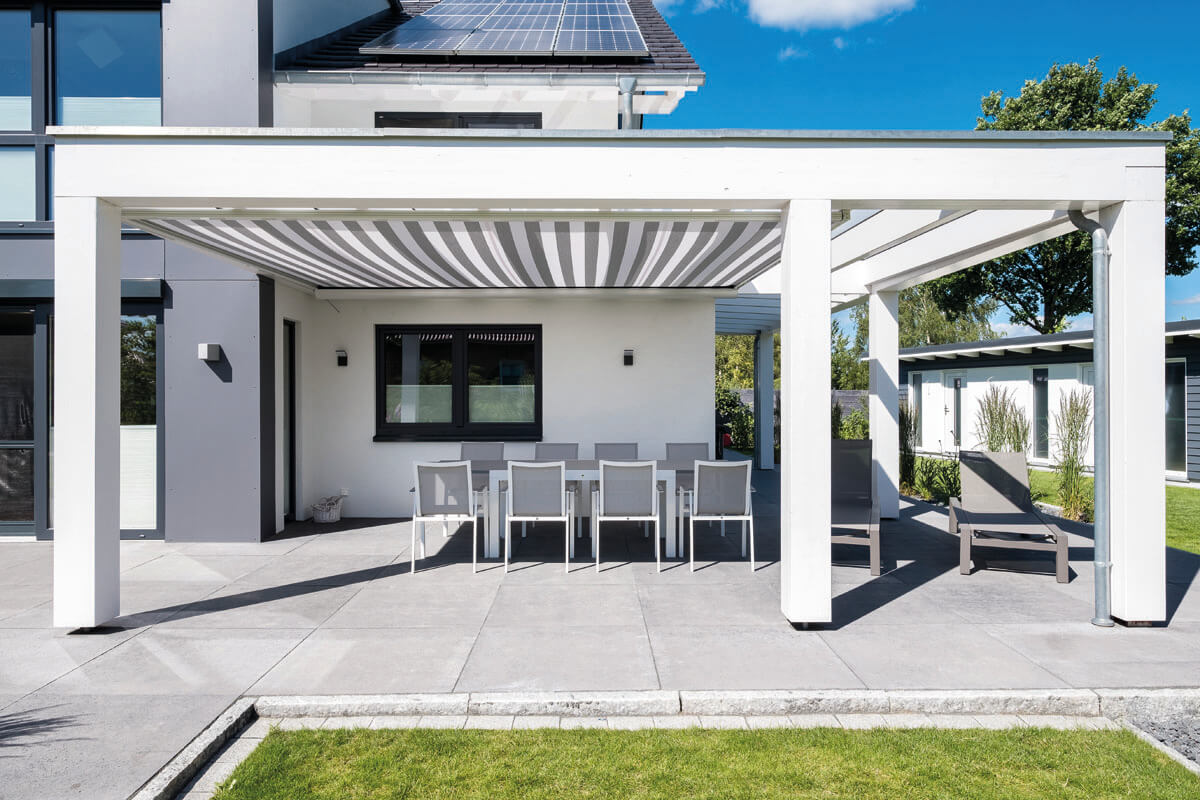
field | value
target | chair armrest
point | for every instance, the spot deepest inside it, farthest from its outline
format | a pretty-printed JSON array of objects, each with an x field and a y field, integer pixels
[
  {"x": 958, "y": 517},
  {"x": 1055, "y": 531}
]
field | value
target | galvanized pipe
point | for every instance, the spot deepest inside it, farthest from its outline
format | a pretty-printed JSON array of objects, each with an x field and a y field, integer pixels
[
  {"x": 627, "y": 86},
  {"x": 1102, "y": 544}
]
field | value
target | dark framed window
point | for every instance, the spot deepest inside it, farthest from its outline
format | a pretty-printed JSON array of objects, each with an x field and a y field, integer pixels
[
  {"x": 1177, "y": 402},
  {"x": 16, "y": 70},
  {"x": 1041, "y": 413},
  {"x": 918, "y": 406},
  {"x": 435, "y": 119},
  {"x": 442, "y": 383},
  {"x": 107, "y": 66}
]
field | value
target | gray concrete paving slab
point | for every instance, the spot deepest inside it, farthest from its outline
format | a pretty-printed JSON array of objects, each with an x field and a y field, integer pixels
[
  {"x": 750, "y": 657},
  {"x": 332, "y": 570},
  {"x": 177, "y": 567},
  {"x": 384, "y": 661},
  {"x": 536, "y": 605},
  {"x": 31, "y": 659},
  {"x": 404, "y": 604},
  {"x": 296, "y": 606},
  {"x": 556, "y": 658},
  {"x": 748, "y": 603}
]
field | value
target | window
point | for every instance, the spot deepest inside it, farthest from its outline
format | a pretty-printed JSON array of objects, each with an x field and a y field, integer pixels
[
  {"x": 18, "y": 177},
  {"x": 16, "y": 73},
  {"x": 457, "y": 383},
  {"x": 918, "y": 406},
  {"x": 957, "y": 432},
  {"x": 107, "y": 68},
  {"x": 1041, "y": 413},
  {"x": 424, "y": 119},
  {"x": 1177, "y": 416}
]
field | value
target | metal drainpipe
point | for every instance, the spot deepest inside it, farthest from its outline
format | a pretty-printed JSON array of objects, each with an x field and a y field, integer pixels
[
  {"x": 627, "y": 85},
  {"x": 1102, "y": 559}
]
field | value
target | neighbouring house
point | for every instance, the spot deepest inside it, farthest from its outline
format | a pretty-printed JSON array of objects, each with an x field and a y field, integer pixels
[
  {"x": 349, "y": 236},
  {"x": 943, "y": 385}
]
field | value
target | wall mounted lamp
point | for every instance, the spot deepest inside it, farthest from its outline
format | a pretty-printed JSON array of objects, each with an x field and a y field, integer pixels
[
  {"x": 208, "y": 352},
  {"x": 343, "y": 360},
  {"x": 629, "y": 358}
]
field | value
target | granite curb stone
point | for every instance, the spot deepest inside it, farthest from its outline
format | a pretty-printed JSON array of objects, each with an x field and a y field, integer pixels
[{"x": 169, "y": 780}]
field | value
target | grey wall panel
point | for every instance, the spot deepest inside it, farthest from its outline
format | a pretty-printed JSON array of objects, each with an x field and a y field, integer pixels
[
  {"x": 212, "y": 412},
  {"x": 217, "y": 62},
  {"x": 186, "y": 263},
  {"x": 266, "y": 404},
  {"x": 32, "y": 258}
]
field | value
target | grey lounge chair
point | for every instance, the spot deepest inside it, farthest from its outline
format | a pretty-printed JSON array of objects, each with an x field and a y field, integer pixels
[
  {"x": 996, "y": 510},
  {"x": 854, "y": 507}
]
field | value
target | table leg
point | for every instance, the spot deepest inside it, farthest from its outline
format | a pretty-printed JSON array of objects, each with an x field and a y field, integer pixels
[
  {"x": 668, "y": 511},
  {"x": 491, "y": 548}
]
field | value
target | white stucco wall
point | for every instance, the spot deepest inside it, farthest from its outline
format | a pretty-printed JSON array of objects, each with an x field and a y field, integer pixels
[
  {"x": 588, "y": 394},
  {"x": 354, "y": 106},
  {"x": 299, "y": 21}
]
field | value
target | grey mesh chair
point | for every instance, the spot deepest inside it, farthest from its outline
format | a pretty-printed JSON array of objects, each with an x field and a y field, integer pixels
[
  {"x": 995, "y": 510},
  {"x": 616, "y": 452},
  {"x": 443, "y": 492},
  {"x": 555, "y": 451},
  {"x": 690, "y": 452},
  {"x": 721, "y": 493},
  {"x": 538, "y": 492},
  {"x": 628, "y": 492},
  {"x": 481, "y": 451},
  {"x": 855, "y": 510}
]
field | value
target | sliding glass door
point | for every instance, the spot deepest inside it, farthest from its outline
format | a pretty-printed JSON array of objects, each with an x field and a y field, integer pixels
[{"x": 17, "y": 363}]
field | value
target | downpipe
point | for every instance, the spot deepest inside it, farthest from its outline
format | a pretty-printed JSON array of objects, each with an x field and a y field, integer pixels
[
  {"x": 626, "y": 86},
  {"x": 1102, "y": 545}
]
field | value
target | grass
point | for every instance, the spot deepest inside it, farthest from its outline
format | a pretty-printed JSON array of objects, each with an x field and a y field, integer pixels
[
  {"x": 693, "y": 763},
  {"x": 1183, "y": 509}
]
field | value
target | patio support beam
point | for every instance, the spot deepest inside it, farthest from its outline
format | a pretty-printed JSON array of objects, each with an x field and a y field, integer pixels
[
  {"x": 87, "y": 297},
  {"x": 764, "y": 399},
  {"x": 1137, "y": 428},
  {"x": 884, "y": 405},
  {"x": 806, "y": 568}
]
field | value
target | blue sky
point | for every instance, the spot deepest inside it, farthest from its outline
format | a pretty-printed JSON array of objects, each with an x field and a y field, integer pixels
[{"x": 921, "y": 64}]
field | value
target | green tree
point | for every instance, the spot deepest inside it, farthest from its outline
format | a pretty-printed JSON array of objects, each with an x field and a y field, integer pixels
[
  {"x": 138, "y": 366},
  {"x": 923, "y": 322},
  {"x": 848, "y": 369},
  {"x": 1050, "y": 282},
  {"x": 734, "y": 361}
]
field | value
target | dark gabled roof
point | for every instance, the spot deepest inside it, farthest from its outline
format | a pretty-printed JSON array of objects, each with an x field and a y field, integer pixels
[
  {"x": 667, "y": 53},
  {"x": 1025, "y": 344}
]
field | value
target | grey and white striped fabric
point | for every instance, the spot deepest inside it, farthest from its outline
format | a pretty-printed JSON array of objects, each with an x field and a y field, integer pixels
[{"x": 489, "y": 254}]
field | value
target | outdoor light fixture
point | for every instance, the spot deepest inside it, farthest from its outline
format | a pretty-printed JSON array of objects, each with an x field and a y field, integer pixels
[
  {"x": 629, "y": 358},
  {"x": 208, "y": 352},
  {"x": 343, "y": 359}
]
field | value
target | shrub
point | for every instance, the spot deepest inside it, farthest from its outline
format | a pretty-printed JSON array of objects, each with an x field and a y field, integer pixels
[
  {"x": 1000, "y": 423},
  {"x": 738, "y": 416},
  {"x": 908, "y": 455},
  {"x": 936, "y": 479},
  {"x": 856, "y": 424},
  {"x": 1073, "y": 419}
]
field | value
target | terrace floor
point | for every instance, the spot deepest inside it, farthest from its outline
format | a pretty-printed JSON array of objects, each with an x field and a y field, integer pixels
[{"x": 334, "y": 609}]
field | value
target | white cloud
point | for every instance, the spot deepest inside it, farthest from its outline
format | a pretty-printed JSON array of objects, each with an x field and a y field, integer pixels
[
  {"x": 791, "y": 53},
  {"x": 1187, "y": 301},
  {"x": 806, "y": 14},
  {"x": 839, "y": 43}
]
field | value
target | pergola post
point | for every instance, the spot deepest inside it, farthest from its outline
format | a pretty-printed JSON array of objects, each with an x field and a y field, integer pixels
[
  {"x": 884, "y": 406},
  {"x": 1136, "y": 424},
  {"x": 87, "y": 372},
  {"x": 806, "y": 568},
  {"x": 764, "y": 399}
]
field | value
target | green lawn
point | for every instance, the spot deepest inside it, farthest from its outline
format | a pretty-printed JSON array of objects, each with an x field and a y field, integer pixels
[
  {"x": 810, "y": 763},
  {"x": 1183, "y": 509}
]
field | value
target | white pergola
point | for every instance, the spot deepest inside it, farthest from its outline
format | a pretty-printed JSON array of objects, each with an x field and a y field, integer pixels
[{"x": 383, "y": 212}]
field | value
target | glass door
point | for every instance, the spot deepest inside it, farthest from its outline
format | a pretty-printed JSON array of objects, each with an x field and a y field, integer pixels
[{"x": 16, "y": 421}]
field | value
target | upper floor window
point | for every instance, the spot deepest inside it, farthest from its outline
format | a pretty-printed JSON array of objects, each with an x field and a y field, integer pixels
[
  {"x": 107, "y": 67},
  {"x": 435, "y": 119},
  {"x": 16, "y": 79}
]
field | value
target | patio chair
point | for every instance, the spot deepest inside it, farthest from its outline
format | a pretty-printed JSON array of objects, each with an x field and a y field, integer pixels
[
  {"x": 443, "y": 492},
  {"x": 481, "y": 451},
  {"x": 552, "y": 451},
  {"x": 721, "y": 493},
  {"x": 538, "y": 492},
  {"x": 616, "y": 452},
  {"x": 855, "y": 510},
  {"x": 690, "y": 452},
  {"x": 995, "y": 510},
  {"x": 628, "y": 492}
]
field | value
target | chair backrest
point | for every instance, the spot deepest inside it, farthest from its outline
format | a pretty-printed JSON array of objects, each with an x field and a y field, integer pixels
[
  {"x": 616, "y": 452},
  {"x": 442, "y": 488},
  {"x": 562, "y": 451},
  {"x": 537, "y": 489},
  {"x": 722, "y": 488},
  {"x": 994, "y": 483},
  {"x": 687, "y": 451},
  {"x": 851, "y": 474},
  {"x": 629, "y": 488},
  {"x": 482, "y": 451}
]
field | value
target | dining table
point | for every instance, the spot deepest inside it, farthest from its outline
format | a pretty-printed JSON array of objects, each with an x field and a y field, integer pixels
[{"x": 586, "y": 472}]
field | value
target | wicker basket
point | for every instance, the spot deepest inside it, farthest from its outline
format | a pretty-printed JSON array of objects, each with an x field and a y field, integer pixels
[{"x": 328, "y": 509}]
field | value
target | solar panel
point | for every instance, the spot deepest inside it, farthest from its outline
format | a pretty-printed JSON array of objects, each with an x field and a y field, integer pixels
[{"x": 516, "y": 27}]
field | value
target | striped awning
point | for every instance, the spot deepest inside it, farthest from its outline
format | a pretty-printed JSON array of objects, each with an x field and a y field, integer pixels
[{"x": 487, "y": 253}]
